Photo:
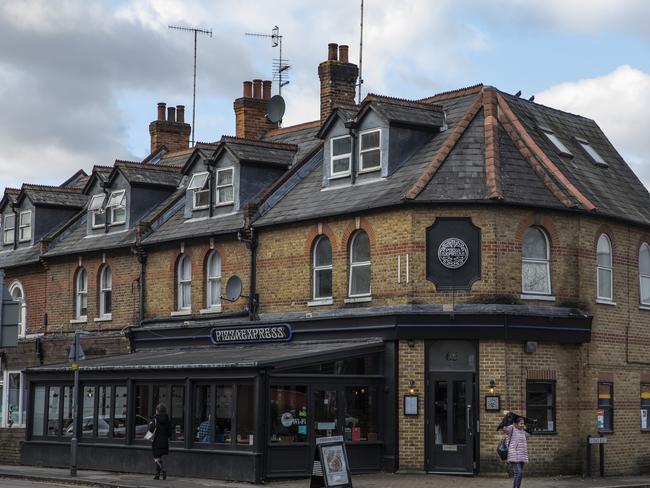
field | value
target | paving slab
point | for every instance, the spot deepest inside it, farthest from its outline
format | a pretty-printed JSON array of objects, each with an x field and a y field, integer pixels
[{"x": 105, "y": 479}]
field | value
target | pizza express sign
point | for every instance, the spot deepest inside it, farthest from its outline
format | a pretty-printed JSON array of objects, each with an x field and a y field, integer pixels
[
  {"x": 453, "y": 253},
  {"x": 244, "y": 335}
]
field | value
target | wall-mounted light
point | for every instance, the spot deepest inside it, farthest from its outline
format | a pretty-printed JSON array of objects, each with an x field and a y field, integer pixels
[
  {"x": 412, "y": 388},
  {"x": 493, "y": 384}
]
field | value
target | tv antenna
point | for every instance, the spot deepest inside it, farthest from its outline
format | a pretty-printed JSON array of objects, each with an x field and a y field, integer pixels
[
  {"x": 280, "y": 66},
  {"x": 195, "y": 31},
  {"x": 361, "y": 55}
]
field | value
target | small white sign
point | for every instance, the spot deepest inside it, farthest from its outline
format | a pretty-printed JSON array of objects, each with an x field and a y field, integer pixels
[
  {"x": 326, "y": 425},
  {"x": 598, "y": 440},
  {"x": 450, "y": 447}
]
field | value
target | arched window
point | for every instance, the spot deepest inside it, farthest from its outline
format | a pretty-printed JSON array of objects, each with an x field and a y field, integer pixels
[
  {"x": 105, "y": 292},
  {"x": 604, "y": 268},
  {"x": 535, "y": 270},
  {"x": 184, "y": 277},
  {"x": 644, "y": 273},
  {"x": 322, "y": 266},
  {"x": 81, "y": 295},
  {"x": 213, "y": 280},
  {"x": 18, "y": 295},
  {"x": 359, "y": 265}
]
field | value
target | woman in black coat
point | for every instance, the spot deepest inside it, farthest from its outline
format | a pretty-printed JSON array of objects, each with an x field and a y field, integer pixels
[{"x": 161, "y": 428}]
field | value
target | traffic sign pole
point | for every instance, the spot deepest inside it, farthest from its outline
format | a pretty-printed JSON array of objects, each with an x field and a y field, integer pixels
[{"x": 75, "y": 356}]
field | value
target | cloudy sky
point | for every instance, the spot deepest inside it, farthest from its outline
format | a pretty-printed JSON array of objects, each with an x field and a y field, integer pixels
[{"x": 80, "y": 79}]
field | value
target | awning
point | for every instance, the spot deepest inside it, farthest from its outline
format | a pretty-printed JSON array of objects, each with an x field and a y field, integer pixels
[{"x": 261, "y": 355}]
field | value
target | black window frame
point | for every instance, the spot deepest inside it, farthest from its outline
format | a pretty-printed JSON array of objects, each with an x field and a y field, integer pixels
[
  {"x": 152, "y": 409},
  {"x": 29, "y": 421},
  {"x": 110, "y": 436},
  {"x": 553, "y": 406},
  {"x": 604, "y": 407}
]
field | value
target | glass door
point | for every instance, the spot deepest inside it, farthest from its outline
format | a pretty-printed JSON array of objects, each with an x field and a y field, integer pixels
[
  {"x": 326, "y": 410},
  {"x": 451, "y": 420}
]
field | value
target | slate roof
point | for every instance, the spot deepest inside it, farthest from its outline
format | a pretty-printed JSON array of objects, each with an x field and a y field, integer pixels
[
  {"x": 19, "y": 257},
  {"x": 304, "y": 136},
  {"x": 405, "y": 111},
  {"x": 230, "y": 356},
  {"x": 53, "y": 196},
  {"x": 493, "y": 152},
  {"x": 276, "y": 153},
  {"x": 143, "y": 174},
  {"x": 77, "y": 180}
]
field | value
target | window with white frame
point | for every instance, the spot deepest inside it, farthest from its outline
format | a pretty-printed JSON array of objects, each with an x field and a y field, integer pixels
[
  {"x": 200, "y": 187},
  {"x": 25, "y": 226},
  {"x": 184, "y": 283},
  {"x": 535, "y": 269},
  {"x": 225, "y": 193},
  {"x": 81, "y": 295},
  {"x": 18, "y": 294},
  {"x": 644, "y": 274},
  {"x": 322, "y": 269},
  {"x": 105, "y": 292},
  {"x": 559, "y": 145},
  {"x": 359, "y": 265},
  {"x": 13, "y": 400},
  {"x": 213, "y": 280},
  {"x": 116, "y": 207},
  {"x": 604, "y": 268},
  {"x": 9, "y": 231},
  {"x": 96, "y": 208},
  {"x": 340, "y": 156},
  {"x": 370, "y": 150}
]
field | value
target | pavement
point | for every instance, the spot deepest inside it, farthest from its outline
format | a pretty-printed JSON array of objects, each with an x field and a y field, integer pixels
[{"x": 20, "y": 475}]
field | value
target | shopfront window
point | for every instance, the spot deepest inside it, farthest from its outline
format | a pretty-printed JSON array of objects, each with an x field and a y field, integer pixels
[
  {"x": 54, "y": 404},
  {"x": 605, "y": 412},
  {"x": 202, "y": 413},
  {"x": 67, "y": 411},
  {"x": 360, "y": 421},
  {"x": 645, "y": 406},
  {"x": 14, "y": 414},
  {"x": 88, "y": 412},
  {"x": 326, "y": 413},
  {"x": 119, "y": 419},
  {"x": 245, "y": 420},
  {"x": 142, "y": 410},
  {"x": 38, "y": 412},
  {"x": 223, "y": 417},
  {"x": 103, "y": 410},
  {"x": 365, "y": 365},
  {"x": 288, "y": 416},
  {"x": 540, "y": 404},
  {"x": 177, "y": 412},
  {"x": 149, "y": 396}
]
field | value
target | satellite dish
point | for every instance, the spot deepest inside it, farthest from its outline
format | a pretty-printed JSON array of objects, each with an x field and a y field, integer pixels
[
  {"x": 233, "y": 288},
  {"x": 275, "y": 109}
]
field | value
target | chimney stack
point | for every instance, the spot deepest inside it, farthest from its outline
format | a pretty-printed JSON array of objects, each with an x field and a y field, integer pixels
[
  {"x": 250, "y": 110},
  {"x": 338, "y": 80},
  {"x": 172, "y": 131}
]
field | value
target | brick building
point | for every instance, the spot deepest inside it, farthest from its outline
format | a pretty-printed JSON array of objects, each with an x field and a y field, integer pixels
[{"x": 408, "y": 269}]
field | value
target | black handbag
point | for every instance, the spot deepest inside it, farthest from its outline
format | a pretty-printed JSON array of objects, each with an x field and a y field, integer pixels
[{"x": 502, "y": 448}]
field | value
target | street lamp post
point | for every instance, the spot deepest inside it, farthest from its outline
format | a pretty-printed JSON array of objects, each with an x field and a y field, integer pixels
[{"x": 76, "y": 355}]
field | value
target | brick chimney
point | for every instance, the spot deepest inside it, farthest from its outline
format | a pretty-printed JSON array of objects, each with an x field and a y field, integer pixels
[
  {"x": 338, "y": 80},
  {"x": 171, "y": 131},
  {"x": 250, "y": 110}
]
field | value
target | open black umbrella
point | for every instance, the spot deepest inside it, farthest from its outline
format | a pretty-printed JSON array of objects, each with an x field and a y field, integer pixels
[{"x": 510, "y": 417}]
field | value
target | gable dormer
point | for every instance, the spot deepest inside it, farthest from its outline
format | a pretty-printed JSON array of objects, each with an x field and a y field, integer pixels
[
  {"x": 371, "y": 141},
  {"x": 120, "y": 197},
  {"x": 222, "y": 181}
]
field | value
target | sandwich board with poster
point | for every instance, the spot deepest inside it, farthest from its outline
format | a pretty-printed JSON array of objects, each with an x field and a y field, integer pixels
[{"x": 331, "y": 467}]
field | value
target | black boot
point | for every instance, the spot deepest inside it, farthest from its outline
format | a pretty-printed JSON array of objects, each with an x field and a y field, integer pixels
[{"x": 157, "y": 475}]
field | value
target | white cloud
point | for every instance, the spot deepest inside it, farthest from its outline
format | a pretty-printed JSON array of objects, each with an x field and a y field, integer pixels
[{"x": 618, "y": 102}]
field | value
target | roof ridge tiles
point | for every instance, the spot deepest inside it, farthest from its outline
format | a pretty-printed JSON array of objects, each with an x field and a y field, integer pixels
[
  {"x": 370, "y": 97},
  {"x": 260, "y": 143},
  {"x": 12, "y": 190},
  {"x": 293, "y": 128},
  {"x": 62, "y": 189},
  {"x": 154, "y": 167},
  {"x": 460, "y": 92}
]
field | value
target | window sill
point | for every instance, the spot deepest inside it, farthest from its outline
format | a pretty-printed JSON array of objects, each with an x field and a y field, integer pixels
[
  {"x": 358, "y": 299},
  {"x": 602, "y": 301},
  {"x": 369, "y": 170},
  {"x": 177, "y": 313},
  {"x": 532, "y": 296},
  {"x": 544, "y": 433},
  {"x": 80, "y": 320},
  {"x": 114, "y": 224},
  {"x": 104, "y": 318},
  {"x": 644, "y": 307},
  {"x": 215, "y": 309},
  {"x": 339, "y": 176},
  {"x": 320, "y": 301},
  {"x": 224, "y": 204}
]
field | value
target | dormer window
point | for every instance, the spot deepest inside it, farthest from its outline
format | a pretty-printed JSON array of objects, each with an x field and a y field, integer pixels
[
  {"x": 370, "y": 150},
  {"x": 25, "y": 226},
  {"x": 588, "y": 148},
  {"x": 97, "y": 211},
  {"x": 224, "y": 189},
  {"x": 550, "y": 135},
  {"x": 341, "y": 155},
  {"x": 116, "y": 207},
  {"x": 10, "y": 229},
  {"x": 200, "y": 188}
]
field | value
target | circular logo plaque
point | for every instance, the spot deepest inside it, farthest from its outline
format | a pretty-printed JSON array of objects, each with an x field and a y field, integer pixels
[{"x": 453, "y": 253}]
